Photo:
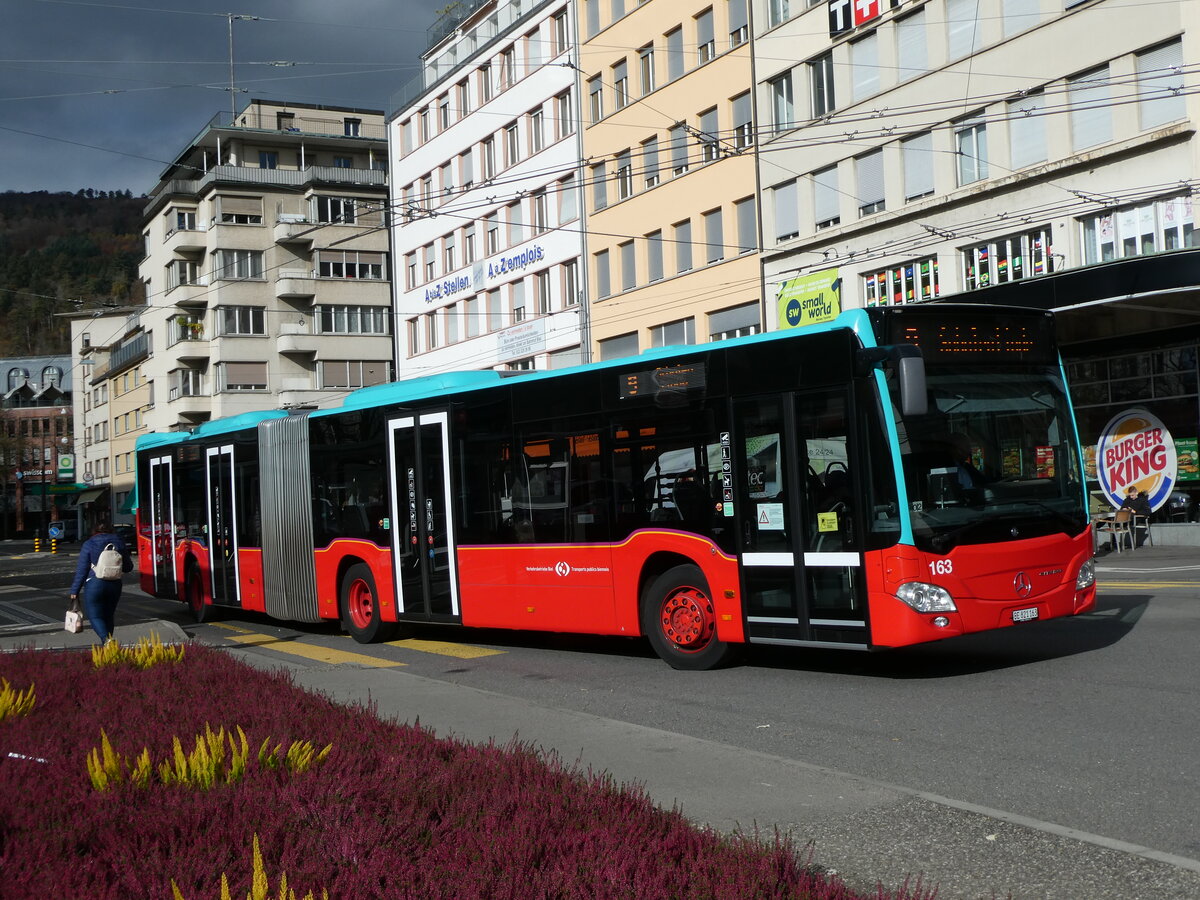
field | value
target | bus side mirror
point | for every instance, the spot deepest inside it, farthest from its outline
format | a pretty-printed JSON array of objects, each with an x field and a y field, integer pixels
[{"x": 914, "y": 396}]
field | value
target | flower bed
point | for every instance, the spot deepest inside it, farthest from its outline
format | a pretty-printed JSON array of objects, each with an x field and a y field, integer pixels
[{"x": 391, "y": 812}]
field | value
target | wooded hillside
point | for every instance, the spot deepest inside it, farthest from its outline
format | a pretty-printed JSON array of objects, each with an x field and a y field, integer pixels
[{"x": 62, "y": 252}]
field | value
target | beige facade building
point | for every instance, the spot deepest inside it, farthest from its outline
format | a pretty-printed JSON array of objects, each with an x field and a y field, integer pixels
[
  {"x": 668, "y": 141},
  {"x": 266, "y": 264}
]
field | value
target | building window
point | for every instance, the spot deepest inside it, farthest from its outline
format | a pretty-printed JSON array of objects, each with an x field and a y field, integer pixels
[
  {"x": 568, "y": 200},
  {"x": 591, "y": 13},
  {"x": 185, "y": 328},
  {"x": 492, "y": 222},
  {"x": 239, "y": 210},
  {"x": 603, "y": 282},
  {"x": 710, "y": 147},
  {"x": 599, "y": 187},
  {"x": 489, "y": 159},
  {"x": 714, "y": 236},
  {"x": 628, "y": 266},
  {"x": 917, "y": 155},
  {"x": 350, "y": 264},
  {"x": 512, "y": 144},
  {"x": 1027, "y": 130},
  {"x": 242, "y": 376},
  {"x": 864, "y": 66},
  {"x": 570, "y": 282},
  {"x": 746, "y": 217},
  {"x": 820, "y": 76},
  {"x": 185, "y": 220},
  {"x": 430, "y": 262},
  {"x": 739, "y": 23},
  {"x": 564, "y": 121},
  {"x": 783, "y": 113},
  {"x": 473, "y": 316},
  {"x": 778, "y": 12},
  {"x": 183, "y": 271},
  {"x": 1161, "y": 97},
  {"x": 1138, "y": 230},
  {"x": 738, "y": 321},
  {"x": 560, "y": 40},
  {"x": 911, "y": 50},
  {"x": 485, "y": 82},
  {"x": 869, "y": 169},
  {"x": 508, "y": 68},
  {"x": 352, "y": 127},
  {"x": 495, "y": 311},
  {"x": 541, "y": 289},
  {"x": 516, "y": 224},
  {"x": 673, "y": 334},
  {"x": 343, "y": 162},
  {"x": 1012, "y": 258},
  {"x": 963, "y": 28},
  {"x": 683, "y": 246},
  {"x": 826, "y": 201},
  {"x": 971, "y": 141},
  {"x": 620, "y": 77},
  {"x": 541, "y": 214},
  {"x": 679, "y": 150},
  {"x": 236, "y": 264},
  {"x": 352, "y": 320},
  {"x": 743, "y": 127},
  {"x": 517, "y": 293},
  {"x": 706, "y": 45},
  {"x": 1020, "y": 15},
  {"x": 336, "y": 210},
  {"x": 537, "y": 131},
  {"x": 654, "y": 256},
  {"x": 624, "y": 175},
  {"x": 1091, "y": 110},
  {"x": 463, "y": 93},
  {"x": 618, "y": 347},
  {"x": 909, "y": 282},
  {"x": 650, "y": 161},
  {"x": 185, "y": 383},
  {"x": 646, "y": 68},
  {"x": 351, "y": 374},
  {"x": 268, "y": 159},
  {"x": 241, "y": 320},
  {"x": 596, "y": 98},
  {"x": 469, "y": 244},
  {"x": 675, "y": 57},
  {"x": 433, "y": 340}
]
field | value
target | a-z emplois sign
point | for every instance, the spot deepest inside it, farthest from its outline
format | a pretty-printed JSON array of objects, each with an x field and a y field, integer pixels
[{"x": 847, "y": 14}]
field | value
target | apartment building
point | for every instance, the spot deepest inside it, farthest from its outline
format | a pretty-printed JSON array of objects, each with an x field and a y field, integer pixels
[
  {"x": 668, "y": 140},
  {"x": 113, "y": 404},
  {"x": 1040, "y": 152},
  {"x": 266, "y": 267},
  {"x": 37, "y": 437},
  {"x": 486, "y": 232}
]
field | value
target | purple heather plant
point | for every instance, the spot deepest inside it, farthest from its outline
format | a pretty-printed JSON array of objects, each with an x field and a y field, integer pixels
[{"x": 394, "y": 811}]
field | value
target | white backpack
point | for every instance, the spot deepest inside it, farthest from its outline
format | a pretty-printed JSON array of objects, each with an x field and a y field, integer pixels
[{"x": 110, "y": 564}]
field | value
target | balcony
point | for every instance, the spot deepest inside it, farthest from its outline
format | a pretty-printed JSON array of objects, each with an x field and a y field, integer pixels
[
  {"x": 294, "y": 230},
  {"x": 296, "y": 339},
  {"x": 193, "y": 407},
  {"x": 190, "y": 349},
  {"x": 190, "y": 296},
  {"x": 295, "y": 284},
  {"x": 187, "y": 240}
]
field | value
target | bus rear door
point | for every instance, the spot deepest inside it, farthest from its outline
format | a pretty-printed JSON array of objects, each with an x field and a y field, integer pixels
[
  {"x": 795, "y": 482},
  {"x": 162, "y": 525},
  {"x": 423, "y": 544},
  {"x": 222, "y": 526}
]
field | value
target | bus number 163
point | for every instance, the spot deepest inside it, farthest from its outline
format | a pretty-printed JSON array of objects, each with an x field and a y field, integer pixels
[{"x": 941, "y": 566}]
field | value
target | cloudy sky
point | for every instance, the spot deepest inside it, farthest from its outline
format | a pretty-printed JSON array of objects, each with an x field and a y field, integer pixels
[{"x": 103, "y": 95}]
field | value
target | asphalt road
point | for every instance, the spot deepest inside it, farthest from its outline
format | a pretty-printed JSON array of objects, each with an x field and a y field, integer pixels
[{"x": 1053, "y": 759}]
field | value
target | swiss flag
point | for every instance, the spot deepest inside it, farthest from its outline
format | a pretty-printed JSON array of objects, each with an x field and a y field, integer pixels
[{"x": 866, "y": 10}]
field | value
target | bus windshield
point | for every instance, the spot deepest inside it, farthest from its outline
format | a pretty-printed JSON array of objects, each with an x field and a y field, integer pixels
[{"x": 994, "y": 458}]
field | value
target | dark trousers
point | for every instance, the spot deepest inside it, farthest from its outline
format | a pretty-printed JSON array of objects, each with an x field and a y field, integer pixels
[{"x": 100, "y": 600}]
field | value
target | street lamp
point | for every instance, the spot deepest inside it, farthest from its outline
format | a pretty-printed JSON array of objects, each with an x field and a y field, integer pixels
[{"x": 51, "y": 459}]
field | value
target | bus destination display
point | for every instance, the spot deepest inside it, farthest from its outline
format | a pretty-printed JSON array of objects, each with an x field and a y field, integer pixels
[
  {"x": 650, "y": 382},
  {"x": 995, "y": 340}
]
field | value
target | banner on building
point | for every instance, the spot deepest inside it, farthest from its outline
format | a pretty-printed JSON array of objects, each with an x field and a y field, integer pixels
[
  {"x": 1136, "y": 450},
  {"x": 1189, "y": 459},
  {"x": 809, "y": 299}
]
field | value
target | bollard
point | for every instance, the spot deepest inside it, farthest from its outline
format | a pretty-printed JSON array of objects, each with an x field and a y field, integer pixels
[
  {"x": 37, "y": 545},
  {"x": 53, "y": 545}
]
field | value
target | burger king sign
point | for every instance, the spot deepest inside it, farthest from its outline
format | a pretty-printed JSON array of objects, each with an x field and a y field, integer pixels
[{"x": 1136, "y": 450}]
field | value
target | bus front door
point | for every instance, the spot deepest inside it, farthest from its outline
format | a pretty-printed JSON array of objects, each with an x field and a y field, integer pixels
[
  {"x": 222, "y": 526},
  {"x": 800, "y": 552},
  {"x": 423, "y": 542},
  {"x": 162, "y": 525}
]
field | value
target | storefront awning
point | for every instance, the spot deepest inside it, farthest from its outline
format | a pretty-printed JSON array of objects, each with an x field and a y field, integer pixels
[{"x": 92, "y": 495}]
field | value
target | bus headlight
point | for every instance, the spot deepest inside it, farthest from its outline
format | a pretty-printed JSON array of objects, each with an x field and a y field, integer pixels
[
  {"x": 926, "y": 598},
  {"x": 1087, "y": 575}
]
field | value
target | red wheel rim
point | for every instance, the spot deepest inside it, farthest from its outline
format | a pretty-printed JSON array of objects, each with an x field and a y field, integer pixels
[
  {"x": 360, "y": 602},
  {"x": 687, "y": 619}
]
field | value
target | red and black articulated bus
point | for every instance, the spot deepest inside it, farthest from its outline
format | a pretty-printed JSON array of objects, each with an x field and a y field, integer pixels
[{"x": 895, "y": 476}]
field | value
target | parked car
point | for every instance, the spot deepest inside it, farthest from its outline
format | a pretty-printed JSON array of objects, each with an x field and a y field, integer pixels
[{"x": 66, "y": 530}]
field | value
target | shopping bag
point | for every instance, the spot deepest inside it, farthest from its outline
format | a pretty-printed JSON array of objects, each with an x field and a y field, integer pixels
[{"x": 74, "y": 618}]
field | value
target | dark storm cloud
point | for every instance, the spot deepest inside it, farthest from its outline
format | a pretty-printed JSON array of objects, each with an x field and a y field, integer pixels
[{"x": 142, "y": 78}]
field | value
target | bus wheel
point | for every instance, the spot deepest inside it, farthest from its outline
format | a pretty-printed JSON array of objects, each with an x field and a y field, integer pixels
[
  {"x": 360, "y": 606},
  {"x": 679, "y": 618},
  {"x": 193, "y": 592}
]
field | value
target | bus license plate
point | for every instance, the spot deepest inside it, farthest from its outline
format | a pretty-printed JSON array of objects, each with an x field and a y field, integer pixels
[{"x": 1025, "y": 615}]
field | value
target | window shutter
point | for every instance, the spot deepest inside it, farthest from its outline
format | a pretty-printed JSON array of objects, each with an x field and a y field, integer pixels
[
  {"x": 826, "y": 203},
  {"x": 963, "y": 26},
  {"x": 787, "y": 210},
  {"x": 864, "y": 56},
  {"x": 240, "y": 206},
  {"x": 913, "y": 55},
  {"x": 1158, "y": 74},
  {"x": 918, "y": 165},
  {"x": 1027, "y": 130},
  {"x": 1091, "y": 121},
  {"x": 733, "y": 319},
  {"x": 870, "y": 178}
]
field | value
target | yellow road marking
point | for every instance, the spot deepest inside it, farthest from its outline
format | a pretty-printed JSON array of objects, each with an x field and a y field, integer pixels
[
  {"x": 310, "y": 651},
  {"x": 229, "y": 627},
  {"x": 444, "y": 648}
]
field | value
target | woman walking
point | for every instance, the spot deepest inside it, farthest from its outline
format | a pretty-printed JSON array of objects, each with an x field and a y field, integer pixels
[{"x": 100, "y": 595}]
